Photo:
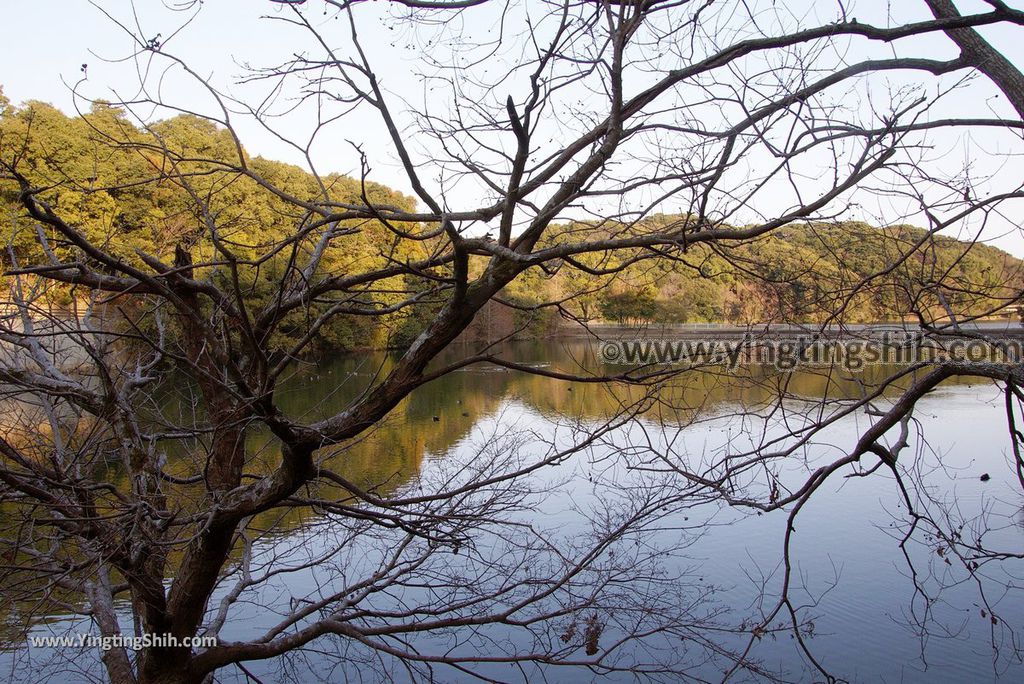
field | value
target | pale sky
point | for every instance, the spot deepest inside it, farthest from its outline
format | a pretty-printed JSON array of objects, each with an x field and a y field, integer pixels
[{"x": 43, "y": 46}]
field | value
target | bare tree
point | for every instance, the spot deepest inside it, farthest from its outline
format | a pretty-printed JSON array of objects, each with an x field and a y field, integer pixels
[{"x": 564, "y": 134}]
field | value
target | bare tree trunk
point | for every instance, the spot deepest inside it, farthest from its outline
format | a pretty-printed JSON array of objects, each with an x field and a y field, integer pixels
[
  {"x": 980, "y": 54},
  {"x": 275, "y": 270},
  {"x": 116, "y": 661}
]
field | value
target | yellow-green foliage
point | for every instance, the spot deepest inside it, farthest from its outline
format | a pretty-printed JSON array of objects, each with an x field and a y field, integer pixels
[
  {"x": 804, "y": 272},
  {"x": 135, "y": 190},
  {"x": 149, "y": 190}
]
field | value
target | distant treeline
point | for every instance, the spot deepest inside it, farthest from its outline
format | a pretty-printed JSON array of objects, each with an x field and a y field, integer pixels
[
  {"x": 845, "y": 271},
  {"x": 138, "y": 191}
]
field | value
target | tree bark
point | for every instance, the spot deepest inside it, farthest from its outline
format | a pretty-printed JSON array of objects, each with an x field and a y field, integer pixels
[
  {"x": 980, "y": 54},
  {"x": 115, "y": 660}
]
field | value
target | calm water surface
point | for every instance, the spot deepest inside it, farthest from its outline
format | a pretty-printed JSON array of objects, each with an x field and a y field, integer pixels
[{"x": 851, "y": 572}]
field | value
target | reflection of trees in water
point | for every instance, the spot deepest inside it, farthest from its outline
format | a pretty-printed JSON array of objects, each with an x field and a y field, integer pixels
[
  {"x": 433, "y": 419},
  {"x": 437, "y": 417}
]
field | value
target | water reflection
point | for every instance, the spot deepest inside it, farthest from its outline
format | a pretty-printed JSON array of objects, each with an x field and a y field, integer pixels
[{"x": 849, "y": 563}]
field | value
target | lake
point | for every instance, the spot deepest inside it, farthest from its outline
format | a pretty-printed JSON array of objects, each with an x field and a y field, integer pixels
[{"x": 863, "y": 619}]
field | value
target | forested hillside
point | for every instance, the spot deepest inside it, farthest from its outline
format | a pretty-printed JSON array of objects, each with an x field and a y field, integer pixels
[
  {"x": 841, "y": 271},
  {"x": 110, "y": 177}
]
